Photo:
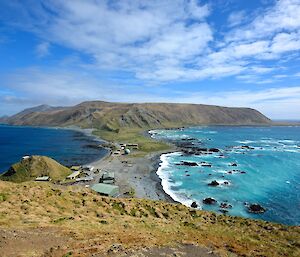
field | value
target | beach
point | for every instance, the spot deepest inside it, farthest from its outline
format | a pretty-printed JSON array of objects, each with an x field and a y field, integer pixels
[{"x": 136, "y": 174}]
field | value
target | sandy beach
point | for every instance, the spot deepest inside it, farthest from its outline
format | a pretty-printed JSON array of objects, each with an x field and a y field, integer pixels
[{"x": 137, "y": 174}]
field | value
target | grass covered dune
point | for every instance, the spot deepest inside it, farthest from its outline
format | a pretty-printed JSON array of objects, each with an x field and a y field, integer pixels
[{"x": 41, "y": 219}]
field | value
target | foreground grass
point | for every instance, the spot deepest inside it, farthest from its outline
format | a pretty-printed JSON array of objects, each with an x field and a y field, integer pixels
[
  {"x": 92, "y": 223},
  {"x": 146, "y": 144}
]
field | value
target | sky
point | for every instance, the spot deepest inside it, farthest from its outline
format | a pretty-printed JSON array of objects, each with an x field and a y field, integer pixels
[{"x": 222, "y": 52}]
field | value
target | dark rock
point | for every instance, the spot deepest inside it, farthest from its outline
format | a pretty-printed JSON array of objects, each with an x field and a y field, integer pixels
[
  {"x": 214, "y": 183},
  {"x": 209, "y": 200},
  {"x": 206, "y": 164},
  {"x": 223, "y": 211},
  {"x": 247, "y": 147},
  {"x": 225, "y": 205},
  {"x": 185, "y": 163},
  {"x": 233, "y": 164},
  {"x": 214, "y": 150},
  {"x": 226, "y": 183},
  {"x": 255, "y": 208},
  {"x": 194, "y": 205}
]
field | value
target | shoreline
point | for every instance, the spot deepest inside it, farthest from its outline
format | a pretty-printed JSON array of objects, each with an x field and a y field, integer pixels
[{"x": 132, "y": 173}]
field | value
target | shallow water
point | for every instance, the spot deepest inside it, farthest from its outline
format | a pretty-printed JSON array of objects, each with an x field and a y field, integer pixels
[
  {"x": 66, "y": 146},
  {"x": 271, "y": 178}
]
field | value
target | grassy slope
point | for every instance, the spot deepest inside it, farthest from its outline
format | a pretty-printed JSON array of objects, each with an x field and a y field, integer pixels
[
  {"x": 36, "y": 166},
  {"x": 93, "y": 223}
]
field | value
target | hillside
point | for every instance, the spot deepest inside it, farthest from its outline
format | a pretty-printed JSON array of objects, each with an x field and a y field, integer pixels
[
  {"x": 113, "y": 116},
  {"x": 35, "y": 166},
  {"x": 42, "y": 219}
]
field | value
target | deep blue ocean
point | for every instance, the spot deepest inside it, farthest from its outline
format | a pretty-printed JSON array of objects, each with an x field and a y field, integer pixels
[
  {"x": 68, "y": 147},
  {"x": 270, "y": 170}
]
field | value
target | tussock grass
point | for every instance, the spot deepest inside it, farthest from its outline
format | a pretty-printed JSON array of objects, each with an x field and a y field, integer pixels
[{"x": 137, "y": 223}]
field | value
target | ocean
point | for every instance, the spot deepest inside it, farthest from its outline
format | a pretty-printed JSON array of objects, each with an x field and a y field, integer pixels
[
  {"x": 68, "y": 147},
  {"x": 258, "y": 165}
]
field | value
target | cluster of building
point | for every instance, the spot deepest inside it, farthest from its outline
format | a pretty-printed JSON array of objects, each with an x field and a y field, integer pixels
[
  {"x": 125, "y": 149},
  {"x": 106, "y": 183}
]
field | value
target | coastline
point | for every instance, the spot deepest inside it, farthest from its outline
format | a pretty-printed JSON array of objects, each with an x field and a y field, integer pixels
[
  {"x": 132, "y": 173},
  {"x": 136, "y": 174}
]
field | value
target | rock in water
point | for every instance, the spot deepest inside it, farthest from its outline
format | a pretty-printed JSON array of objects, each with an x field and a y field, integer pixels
[
  {"x": 214, "y": 183},
  {"x": 185, "y": 163},
  {"x": 194, "y": 205},
  {"x": 209, "y": 200},
  {"x": 225, "y": 205},
  {"x": 255, "y": 208}
]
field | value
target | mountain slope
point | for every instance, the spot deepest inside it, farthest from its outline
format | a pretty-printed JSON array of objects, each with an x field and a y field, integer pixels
[
  {"x": 42, "y": 219},
  {"x": 113, "y": 116},
  {"x": 35, "y": 166}
]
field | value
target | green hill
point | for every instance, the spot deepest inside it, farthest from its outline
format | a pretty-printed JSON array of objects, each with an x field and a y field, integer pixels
[{"x": 35, "y": 166}]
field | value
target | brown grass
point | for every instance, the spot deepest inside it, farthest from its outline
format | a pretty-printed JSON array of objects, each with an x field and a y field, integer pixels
[{"x": 92, "y": 223}]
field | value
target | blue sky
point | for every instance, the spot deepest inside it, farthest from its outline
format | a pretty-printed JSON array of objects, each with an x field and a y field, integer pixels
[{"x": 223, "y": 52}]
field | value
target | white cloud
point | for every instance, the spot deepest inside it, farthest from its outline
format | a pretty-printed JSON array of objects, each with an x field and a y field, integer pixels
[
  {"x": 53, "y": 87},
  {"x": 42, "y": 49},
  {"x": 236, "y": 18},
  {"x": 164, "y": 40},
  {"x": 157, "y": 41}
]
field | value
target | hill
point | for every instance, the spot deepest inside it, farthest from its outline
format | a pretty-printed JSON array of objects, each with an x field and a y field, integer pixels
[
  {"x": 35, "y": 166},
  {"x": 113, "y": 116},
  {"x": 42, "y": 219},
  {"x": 126, "y": 122}
]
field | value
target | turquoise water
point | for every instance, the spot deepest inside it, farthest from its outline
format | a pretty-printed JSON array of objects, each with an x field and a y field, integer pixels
[
  {"x": 66, "y": 146},
  {"x": 271, "y": 178}
]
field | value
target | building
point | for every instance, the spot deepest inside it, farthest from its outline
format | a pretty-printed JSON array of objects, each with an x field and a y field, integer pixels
[
  {"x": 84, "y": 179},
  {"x": 107, "y": 190},
  {"x": 74, "y": 175},
  {"x": 133, "y": 146},
  {"x": 107, "y": 178},
  {"x": 75, "y": 168},
  {"x": 43, "y": 178}
]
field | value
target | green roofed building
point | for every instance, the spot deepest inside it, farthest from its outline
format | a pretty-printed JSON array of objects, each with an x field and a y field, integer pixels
[{"x": 105, "y": 189}]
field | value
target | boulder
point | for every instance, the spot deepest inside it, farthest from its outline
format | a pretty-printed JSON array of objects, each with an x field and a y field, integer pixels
[
  {"x": 225, "y": 206},
  {"x": 223, "y": 211},
  {"x": 209, "y": 200},
  {"x": 255, "y": 208},
  {"x": 185, "y": 163},
  {"x": 194, "y": 205},
  {"x": 214, "y": 183},
  {"x": 247, "y": 147},
  {"x": 214, "y": 150},
  {"x": 233, "y": 164}
]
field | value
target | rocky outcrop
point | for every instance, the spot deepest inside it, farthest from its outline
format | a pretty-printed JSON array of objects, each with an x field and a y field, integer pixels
[
  {"x": 214, "y": 183},
  {"x": 255, "y": 208},
  {"x": 194, "y": 205},
  {"x": 186, "y": 163},
  {"x": 209, "y": 200}
]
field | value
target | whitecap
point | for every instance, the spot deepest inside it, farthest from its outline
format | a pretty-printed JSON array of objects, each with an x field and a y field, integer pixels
[{"x": 167, "y": 183}]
